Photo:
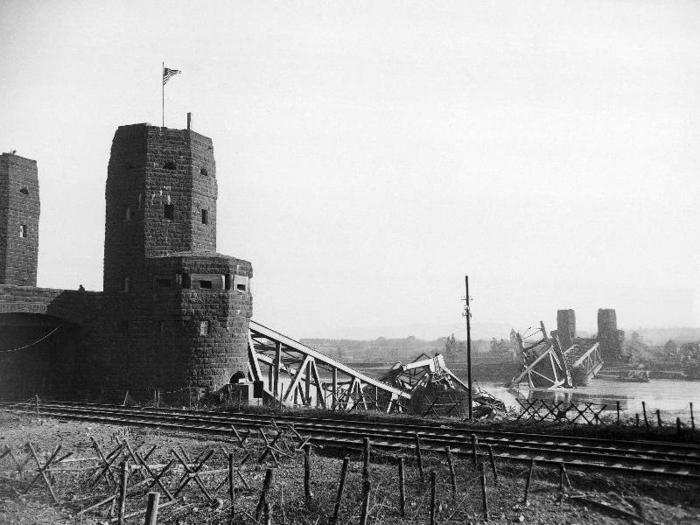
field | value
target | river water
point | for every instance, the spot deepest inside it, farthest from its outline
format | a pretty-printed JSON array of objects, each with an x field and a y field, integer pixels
[{"x": 671, "y": 397}]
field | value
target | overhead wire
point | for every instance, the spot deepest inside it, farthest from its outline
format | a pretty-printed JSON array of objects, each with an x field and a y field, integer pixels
[{"x": 24, "y": 347}]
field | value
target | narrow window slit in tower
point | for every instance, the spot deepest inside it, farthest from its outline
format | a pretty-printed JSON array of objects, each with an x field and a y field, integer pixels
[
  {"x": 205, "y": 216},
  {"x": 169, "y": 165},
  {"x": 240, "y": 282},
  {"x": 163, "y": 282},
  {"x": 169, "y": 211},
  {"x": 204, "y": 172},
  {"x": 22, "y": 230},
  {"x": 24, "y": 191}
]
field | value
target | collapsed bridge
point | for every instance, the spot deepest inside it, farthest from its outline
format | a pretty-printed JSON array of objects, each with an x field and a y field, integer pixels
[
  {"x": 288, "y": 372},
  {"x": 280, "y": 370},
  {"x": 292, "y": 373},
  {"x": 175, "y": 316},
  {"x": 560, "y": 359}
]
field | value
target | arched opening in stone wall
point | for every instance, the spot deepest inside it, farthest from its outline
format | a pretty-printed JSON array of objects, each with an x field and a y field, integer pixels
[
  {"x": 237, "y": 377},
  {"x": 39, "y": 355}
]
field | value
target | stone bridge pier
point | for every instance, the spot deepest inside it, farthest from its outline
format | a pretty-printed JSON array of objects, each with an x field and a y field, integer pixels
[
  {"x": 173, "y": 316},
  {"x": 43, "y": 336}
]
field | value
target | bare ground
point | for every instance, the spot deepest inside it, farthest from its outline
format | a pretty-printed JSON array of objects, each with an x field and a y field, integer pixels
[{"x": 593, "y": 498}]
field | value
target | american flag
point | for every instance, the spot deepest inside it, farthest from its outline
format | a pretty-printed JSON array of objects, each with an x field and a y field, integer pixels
[{"x": 169, "y": 73}]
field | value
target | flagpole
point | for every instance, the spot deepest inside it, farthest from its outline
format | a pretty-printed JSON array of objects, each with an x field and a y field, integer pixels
[{"x": 162, "y": 85}]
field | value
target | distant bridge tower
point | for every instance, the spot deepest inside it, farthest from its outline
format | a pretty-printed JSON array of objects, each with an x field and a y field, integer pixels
[
  {"x": 609, "y": 337},
  {"x": 566, "y": 327},
  {"x": 19, "y": 220}
]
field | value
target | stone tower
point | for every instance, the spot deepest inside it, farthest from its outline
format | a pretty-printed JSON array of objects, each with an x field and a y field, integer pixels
[
  {"x": 609, "y": 337},
  {"x": 180, "y": 310},
  {"x": 566, "y": 327},
  {"x": 19, "y": 220},
  {"x": 160, "y": 199}
]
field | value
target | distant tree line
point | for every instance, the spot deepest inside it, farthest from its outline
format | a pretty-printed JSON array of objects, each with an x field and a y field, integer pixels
[
  {"x": 386, "y": 350},
  {"x": 638, "y": 350}
]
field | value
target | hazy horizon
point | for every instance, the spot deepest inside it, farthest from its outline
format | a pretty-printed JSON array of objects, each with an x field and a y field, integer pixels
[
  {"x": 650, "y": 334},
  {"x": 419, "y": 331},
  {"x": 370, "y": 154}
]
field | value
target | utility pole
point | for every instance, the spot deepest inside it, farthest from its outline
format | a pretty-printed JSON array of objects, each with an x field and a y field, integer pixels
[
  {"x": 467, "y": 313},
  {"x": 162, "y": 88}
]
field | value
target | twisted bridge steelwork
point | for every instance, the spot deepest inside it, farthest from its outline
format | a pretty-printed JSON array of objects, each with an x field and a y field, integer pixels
[
  {"x": 292, "y": 373},
  {"x": 547, "y": 365},
  {"x": 544, "y": 364}
]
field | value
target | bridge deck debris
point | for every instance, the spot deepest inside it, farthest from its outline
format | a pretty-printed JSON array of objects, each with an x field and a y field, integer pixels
[{"x": 291, "y": 373}]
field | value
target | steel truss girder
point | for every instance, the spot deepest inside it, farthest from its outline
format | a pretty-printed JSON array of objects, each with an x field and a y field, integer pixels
[
  {"x": 589, "y": 360},
  {"x": 291, "y": 373}
]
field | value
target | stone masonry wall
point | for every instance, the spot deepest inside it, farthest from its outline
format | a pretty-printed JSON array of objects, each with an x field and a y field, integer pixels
[
  {"x": 125, "y": 188},
  {"x": 159, "y": 181},
  {"x": 166, "y": 330},
  {"x": 46, "y": 361},
  {"x": 112, "y": 343},
  {"x": 204, "y": 193},
  {"x": 200, "y": 336},
  {"x": 19, "y": 211},
  {"x": 167, "y": 183},
  {"x": 65, "y": 363},
  {"x": 4, "y": 213}
]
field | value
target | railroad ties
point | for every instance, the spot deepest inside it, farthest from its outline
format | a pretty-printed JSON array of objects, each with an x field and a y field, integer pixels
[
  {"x": 242, "y": 477},
  {"x": 642, "y": 457}
]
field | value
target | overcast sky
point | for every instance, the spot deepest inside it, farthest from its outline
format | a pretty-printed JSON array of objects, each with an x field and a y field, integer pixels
[{"x": 369, "y": 154}]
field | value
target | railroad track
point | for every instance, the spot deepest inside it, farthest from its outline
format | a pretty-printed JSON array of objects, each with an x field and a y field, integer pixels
[{"x": 640, "y": 457}]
